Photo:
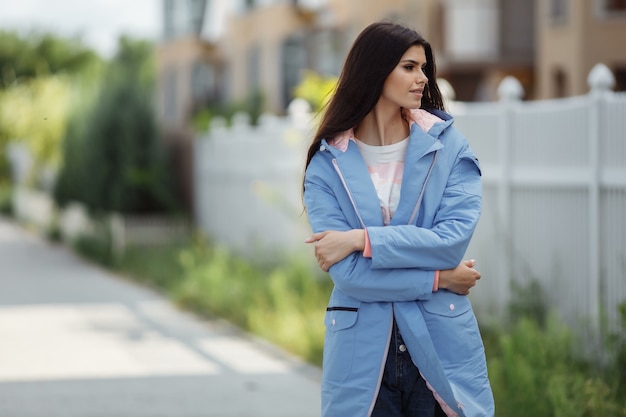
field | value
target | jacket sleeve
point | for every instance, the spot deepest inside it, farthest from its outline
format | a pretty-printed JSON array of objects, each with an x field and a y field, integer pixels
[
  {"x": 442, "y": 246},
  {"x": 354, "y": 275}
]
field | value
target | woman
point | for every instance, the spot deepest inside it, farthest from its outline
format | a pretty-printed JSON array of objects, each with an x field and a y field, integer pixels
[{"x": 393, "y": 194}]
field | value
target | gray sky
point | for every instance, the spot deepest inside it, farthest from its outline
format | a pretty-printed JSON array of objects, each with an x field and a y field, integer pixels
[{"x": 97, "y": 22}]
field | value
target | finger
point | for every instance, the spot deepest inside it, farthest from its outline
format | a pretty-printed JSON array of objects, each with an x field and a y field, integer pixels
[{"x": 318, "y": 235}]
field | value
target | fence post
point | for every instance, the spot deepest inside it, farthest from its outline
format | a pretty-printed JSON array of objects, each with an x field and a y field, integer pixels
[
  {"x": 601, "y": 81},
  {"x": 510, "y": 92}
]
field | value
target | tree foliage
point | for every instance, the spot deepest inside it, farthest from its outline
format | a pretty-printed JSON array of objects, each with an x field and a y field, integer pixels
[
  {"x": 35, "y": 113},
  {"x": 113, "y": 156},
  {"x": 23, "y": 58},
  {"x": 40, "y": 75}
]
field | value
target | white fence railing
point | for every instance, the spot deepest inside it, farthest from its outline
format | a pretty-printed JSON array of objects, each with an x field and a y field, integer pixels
[
  {"x": 248, "y": 182},
  {"x": 554, "y": 176}
]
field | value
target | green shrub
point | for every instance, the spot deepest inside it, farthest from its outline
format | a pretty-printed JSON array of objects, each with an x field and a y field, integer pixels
[
  {"x": 534, "y": 371},
  {"x": 98, "y": 245},
  {"x": 283, "y": 304},
  {"x": 114, "y": 160},
  {"x": 252, "y": 105},
  {"x": 6, "y": 199}
]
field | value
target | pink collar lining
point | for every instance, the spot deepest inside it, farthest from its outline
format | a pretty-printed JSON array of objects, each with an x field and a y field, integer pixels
[{"x": 422, "y": 118}]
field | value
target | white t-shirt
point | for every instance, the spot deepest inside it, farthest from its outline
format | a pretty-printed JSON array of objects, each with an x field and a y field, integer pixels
[{"x": 386, "y": 166}]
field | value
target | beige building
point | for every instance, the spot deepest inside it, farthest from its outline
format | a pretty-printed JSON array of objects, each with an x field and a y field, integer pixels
[
  {"x": 573, "y": 36},
  {"x": 224, "y": 51}
]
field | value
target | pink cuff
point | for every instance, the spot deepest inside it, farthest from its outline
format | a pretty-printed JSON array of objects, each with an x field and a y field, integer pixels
[
  {"x": 436, "y": 282},
  {"x": 367, "y": 250}
]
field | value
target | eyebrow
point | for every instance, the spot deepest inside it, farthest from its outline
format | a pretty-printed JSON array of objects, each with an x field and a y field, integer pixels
[{"x": 413, "y": 62}]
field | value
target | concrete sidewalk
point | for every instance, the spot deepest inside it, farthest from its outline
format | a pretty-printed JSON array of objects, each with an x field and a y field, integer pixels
[{"x": 78, "y": 341}]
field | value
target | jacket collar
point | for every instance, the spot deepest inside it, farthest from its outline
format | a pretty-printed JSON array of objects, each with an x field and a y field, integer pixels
[{"x": 419, "y": 156}]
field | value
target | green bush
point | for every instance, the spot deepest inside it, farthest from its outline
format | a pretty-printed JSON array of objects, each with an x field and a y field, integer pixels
[
  {"x": 38, "y": 75},
  {"x": 97, "y": 246},
  {"x": 6, "y": 199},
  {"x": 534, "y": 370},
  {"x": 534, "y": 373},
  {"x": 114, "y": 159},
  {"x": 283, "y": 304},
  {"x": 253, "y": 105}
]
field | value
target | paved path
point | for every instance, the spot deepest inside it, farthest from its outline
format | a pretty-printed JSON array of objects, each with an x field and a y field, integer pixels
[{"x": 78, "y": 341}]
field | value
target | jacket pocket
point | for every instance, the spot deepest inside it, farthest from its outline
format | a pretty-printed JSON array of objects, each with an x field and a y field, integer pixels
[
  {"x": 447, "y": 304},
  {"x": 453, "y": 329},
  {"x": 339, "y": 343}
]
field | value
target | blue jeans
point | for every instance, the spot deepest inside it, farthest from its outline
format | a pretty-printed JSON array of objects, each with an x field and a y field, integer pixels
[{"x": 403, "y": 391}]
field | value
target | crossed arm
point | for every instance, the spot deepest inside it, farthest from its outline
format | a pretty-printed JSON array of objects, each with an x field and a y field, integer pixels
[{"x": 332, "y": 246}]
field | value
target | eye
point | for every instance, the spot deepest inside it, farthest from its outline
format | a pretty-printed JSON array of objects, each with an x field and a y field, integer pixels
[{"x": 409, "y": 67}]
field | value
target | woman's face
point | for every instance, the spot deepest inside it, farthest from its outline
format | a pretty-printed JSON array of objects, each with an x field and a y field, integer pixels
[{"x": 405, "y": 85}]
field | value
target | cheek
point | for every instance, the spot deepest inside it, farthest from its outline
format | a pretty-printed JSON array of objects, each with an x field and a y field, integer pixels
[{"x": 394, "y": 85}]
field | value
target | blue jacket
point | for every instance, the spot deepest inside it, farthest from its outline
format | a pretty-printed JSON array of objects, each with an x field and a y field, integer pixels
[{"x": 439, "y": 208}]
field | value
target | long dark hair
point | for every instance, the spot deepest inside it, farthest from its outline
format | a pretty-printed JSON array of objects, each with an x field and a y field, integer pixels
[{"x": 374, "y": 54}]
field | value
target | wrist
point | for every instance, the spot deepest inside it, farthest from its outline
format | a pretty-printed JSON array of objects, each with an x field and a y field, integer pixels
[
  {"x": 359, "y": 239},
  {"x": 436, "y": 281},
  {"x": 442, "y": 282}
]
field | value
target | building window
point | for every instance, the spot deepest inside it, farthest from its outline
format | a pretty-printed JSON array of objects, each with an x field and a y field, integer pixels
[
  {"x": 170, "y": 96},
  {"x": 611, "y": 8},
  {"x": 620, "y": 78},
  {"x": 558, "y": 10},
  {"x": 202, "y": 83},
  {"x": 196, "y": 15},
  {"x": 326, "y": 53},
  {"x": 254, "y": 67},
  {"x": 168, "y": 19},
  {"x": 615, "y": 6},
  {"x": 560, "y": 83},
  {"x": 293, "y": 62}
]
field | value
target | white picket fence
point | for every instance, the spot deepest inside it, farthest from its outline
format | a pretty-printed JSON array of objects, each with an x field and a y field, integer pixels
[
  {"x": 554, "y": 175},
  {"x": 248, "y": 182},
  {"x": 554, "y": 197}
]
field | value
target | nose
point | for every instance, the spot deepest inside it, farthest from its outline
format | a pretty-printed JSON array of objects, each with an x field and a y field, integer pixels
[{"x": 421, "y": 77}]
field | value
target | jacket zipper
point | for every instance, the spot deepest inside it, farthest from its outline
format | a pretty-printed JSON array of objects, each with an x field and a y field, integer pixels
[
  {"x": 421, "y": 196},
  {"x": 345, "y": 185},
  {"x": 412, "y": 218}
]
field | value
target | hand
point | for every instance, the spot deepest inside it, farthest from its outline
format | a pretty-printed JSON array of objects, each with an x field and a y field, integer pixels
[
  {"x": 332, "y": 246},
  {"x": 460, "y": 279}
]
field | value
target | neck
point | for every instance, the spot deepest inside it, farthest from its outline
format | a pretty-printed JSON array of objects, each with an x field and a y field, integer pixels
[{"x": 382, "y": 126}]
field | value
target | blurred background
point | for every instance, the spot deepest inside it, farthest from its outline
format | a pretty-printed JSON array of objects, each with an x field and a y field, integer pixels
[{"x": 165, "y": 139}]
